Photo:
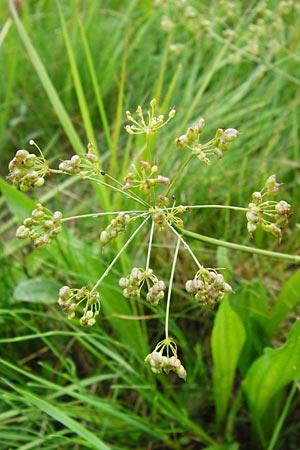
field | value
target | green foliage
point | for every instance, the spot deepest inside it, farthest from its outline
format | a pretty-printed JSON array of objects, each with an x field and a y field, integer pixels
[
  {"x": 268, "y": 375},
  {"x": 67, "y": 387},
  {"x": 227, "y": 341}
]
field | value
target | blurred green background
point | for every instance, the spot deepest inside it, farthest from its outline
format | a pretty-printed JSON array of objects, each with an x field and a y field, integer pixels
[{"x": 69, "y": 71}]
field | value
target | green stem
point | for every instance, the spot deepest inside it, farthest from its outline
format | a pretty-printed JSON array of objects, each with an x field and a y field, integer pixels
[
  {"x": 121, "y": 191},
  {"x": 100, "y": 214},
  {"x": 149, "y": 246},
  {"x": 170, "y": 288},
  {"x": 235, "y": 208},
  {"x": 178, "y": 174},
  {"x": 231, "y": 416},
  {"x": 127, "y": 194},
  {"x": 282, "y": 417},
  {"x": 185, "y": 245},
  {"x": 105, "y": 273},
  {"x": 242, "y": 248}
]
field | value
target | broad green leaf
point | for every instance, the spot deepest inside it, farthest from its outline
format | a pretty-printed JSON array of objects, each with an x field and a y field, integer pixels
[
  {"x": 286, "y": 301},
  {"x": 272, "y": 372},
  {"x": 40, "y": 289},
  {"x": 251, "y": 304},
  {"x": 227, "y": 341}
]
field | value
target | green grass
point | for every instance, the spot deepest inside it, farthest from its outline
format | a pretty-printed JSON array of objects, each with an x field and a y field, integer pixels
[{"x": 69, "y": 72}]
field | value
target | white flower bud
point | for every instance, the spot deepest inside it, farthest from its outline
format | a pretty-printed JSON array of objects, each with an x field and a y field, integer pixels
[
  {"x": 230, "y": 134},
  {"x": 172, "y": 113},
  {"x": 75, "y": 160},
  {"x": 227, "y": 288},
  {"x": 65, "y": 292},
  {"x": 22, "y": 232},
  {"x": 163, "y": 180},
  {"x": 21, "y": 155},
  {"x": 174, "y": 362},
  {"x": 57, "y": 216},
  {"x": 282, "y": 208},
  {"x": 136, "y": 274},
  {"x": 257, "y": 197},
  {"x": 39, "y": 182},
  {"x": 123, "y": 282},
  {"x": 189, "y": 286},
  {"x": 181, "y": 372},
  {"x": 104, "y": 237}
]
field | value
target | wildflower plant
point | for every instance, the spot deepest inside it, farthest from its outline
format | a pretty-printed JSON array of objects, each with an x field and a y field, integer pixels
[{"x": 154, "y": 211}]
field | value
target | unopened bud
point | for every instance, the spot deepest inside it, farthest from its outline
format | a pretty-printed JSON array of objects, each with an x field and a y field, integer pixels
[{"x": 230, "y": 134}]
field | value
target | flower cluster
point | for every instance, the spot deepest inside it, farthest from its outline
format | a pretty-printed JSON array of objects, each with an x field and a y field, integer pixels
[
  {"x": 145, "y": 178},
  {"x": 208, "y": 287},
  {"x": 269, "y": 215},
  {"x": 27, "y": 170},
  {"x": 149, "y": 125},
  {"x": 215, "y": 146},
  {"x": 42, "y": 227},
  {"x": 167, "y": 363},
  {"x": 70, "y": 299},
  {"x": 134, "y": 282},
  {"x": 117, "y": 225},
  {"x": 83, "y": 166},
  {"x": 161, "y": 216}
]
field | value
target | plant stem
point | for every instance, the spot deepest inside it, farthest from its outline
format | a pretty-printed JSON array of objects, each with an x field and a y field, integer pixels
[
  {"x": 242, "y": 248},
  {"x": 235, "y": 208},
  {"x": 121, "y": 191},
  {"x": 282, "y": 417},
  {"x": 100, "y": 214},
  {"x": 181, "y": 169},
  {"x": 149, "y": 246},
  {"x": 105, "y": 273},
  {"x": 185, "y": 245},
  {"x": 170, "y": 288}
]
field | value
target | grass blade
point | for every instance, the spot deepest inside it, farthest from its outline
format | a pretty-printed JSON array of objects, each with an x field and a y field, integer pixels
[
  {"x": 47, "y": 84},
  {"x": 61, "y": 417}
]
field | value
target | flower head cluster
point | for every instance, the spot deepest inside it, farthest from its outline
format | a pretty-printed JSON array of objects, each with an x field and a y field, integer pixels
[
  {"x": 145, "y": 178},
  {"x": 27, "y": 170},
  {"x": 134, "y": 282},
  {"x": 117, "y": 225},
  {"x": 151, "y": 123},
  {"x": 70, "y": 299},
  {"x": 215, "y": 146},
  {"x": 208, "y": 287},
  {"x": 168, "y": 362},
  {"x": 269, "y": 215},
  {"x": 160, "y": 216},
  {"x": 83, "y": 166},
  {"x": 42, "y": 227}
]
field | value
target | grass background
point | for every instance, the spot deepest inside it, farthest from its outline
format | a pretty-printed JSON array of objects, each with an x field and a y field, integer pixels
[{"x": 69, "y": 70}]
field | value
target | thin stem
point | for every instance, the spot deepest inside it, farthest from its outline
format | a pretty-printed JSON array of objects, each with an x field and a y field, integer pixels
[
  {"x": 110, "y": 186},
  {"x": 170, "y": 288},
  {"x": 185, "y": 245},
  {"x": 105, "y": 273},
  {"x": 178, "y": 174},
  {"x": 121, "y": 191},
  {"x": 282, "y": 417},
  {"x": 235, "y": 208},
  {"x": 149, "y": 246},
  {"x": 58, "y": 171},
  {"x": 242, "y": 248},
  {"x": 100, "y": 214}
]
